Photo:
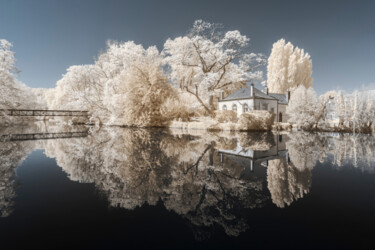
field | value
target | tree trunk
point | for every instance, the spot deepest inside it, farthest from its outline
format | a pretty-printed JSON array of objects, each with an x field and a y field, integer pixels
[
  {"x": 196, "y": 94},
  {"x": 211, "y": 103}
]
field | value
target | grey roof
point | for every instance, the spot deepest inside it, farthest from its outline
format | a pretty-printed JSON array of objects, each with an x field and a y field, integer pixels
[
  {"x": 260, "y": 94},
  {"x": 245, "y": 93},
  {"x": 280, "y": 97}
]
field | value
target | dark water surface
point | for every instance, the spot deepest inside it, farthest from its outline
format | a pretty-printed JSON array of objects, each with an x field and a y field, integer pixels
[{"x": 137, "y": 188}]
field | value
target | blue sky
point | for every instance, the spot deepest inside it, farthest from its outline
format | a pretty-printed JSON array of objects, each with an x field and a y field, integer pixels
[{"x": 50, "y": 36}]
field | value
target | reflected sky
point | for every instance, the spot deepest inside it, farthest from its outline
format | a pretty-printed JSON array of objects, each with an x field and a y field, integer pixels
[{"x": 213, "y": 182}]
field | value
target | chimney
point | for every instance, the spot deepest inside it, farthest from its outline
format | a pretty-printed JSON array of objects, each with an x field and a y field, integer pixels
[
  {"x": 287, "y": 95},
  {"x": 221, "y": 95},
  {"x": 267, "y": 91},
  {"x": 252, "y": 89}
]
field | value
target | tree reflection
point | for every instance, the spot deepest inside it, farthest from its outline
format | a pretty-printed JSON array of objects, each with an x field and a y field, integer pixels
[
  {"x": 209, "y": 179},
  {"x": 12, "y": 154},
  {"x": 286, "y": 182}
]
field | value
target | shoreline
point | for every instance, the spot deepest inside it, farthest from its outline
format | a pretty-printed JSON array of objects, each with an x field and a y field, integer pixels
[{"x": 206, "y": 124}]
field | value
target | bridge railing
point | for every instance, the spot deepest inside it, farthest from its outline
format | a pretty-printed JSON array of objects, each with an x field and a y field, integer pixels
[{"x": 29, "y": 112}]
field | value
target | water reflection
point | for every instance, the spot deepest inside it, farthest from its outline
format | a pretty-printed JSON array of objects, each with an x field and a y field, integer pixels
[{"x": 207, "y": 178}]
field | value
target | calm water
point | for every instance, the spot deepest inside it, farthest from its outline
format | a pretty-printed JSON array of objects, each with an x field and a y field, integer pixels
[{"x": 133, "y": 188}]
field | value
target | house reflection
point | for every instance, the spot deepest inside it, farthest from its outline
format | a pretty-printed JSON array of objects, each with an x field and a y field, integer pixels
[
  {"x": 286, "y": 183},
  {"x": 255, "y": 150}
]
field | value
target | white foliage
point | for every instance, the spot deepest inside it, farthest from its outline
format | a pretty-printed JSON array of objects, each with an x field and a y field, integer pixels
[
  {"x": 207, "y": 61},
  {"x": 256, "y": 120},
  {"x": 355, "y": 112},
  {"x": 286, "y": 182},
  {"x": 145, "y": 89},
  {"x": 288, "y": 67},
  {"x": 14, "y": 94},
  {"x": 340, "y": 107},
  {"x": 302, "y": 107},
  {"x": 361, "y": 112},
  {"x": 125, "y": 86}
]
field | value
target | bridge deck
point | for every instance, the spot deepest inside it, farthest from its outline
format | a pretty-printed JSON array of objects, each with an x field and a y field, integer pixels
[{"x": 28, "y": 112}]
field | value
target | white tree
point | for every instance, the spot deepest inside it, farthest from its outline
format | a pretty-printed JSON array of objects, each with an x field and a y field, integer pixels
[
  {"x": 14, "y": 94},
  {"x": 363, "y": 112},
  {"x": 207, "y": 61},
  {"x": 288, "y": 68},
  {"x": 141, "y": 91},
  {"x": 73, "y": 90},
  {"x": 340, "y": 107},
  {"x": 125, "y": 86},
  {"x": 322, "y": 107},
  {"x": 302, "y": 107}
]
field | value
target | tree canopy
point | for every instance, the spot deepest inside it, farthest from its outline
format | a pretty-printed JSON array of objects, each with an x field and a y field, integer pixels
[
  {"x": 288, "y": 67},
  {"x": 207, "y": 61}
]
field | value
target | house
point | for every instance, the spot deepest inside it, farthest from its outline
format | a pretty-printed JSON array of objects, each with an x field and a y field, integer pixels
[{"x": 247, "y": 99}]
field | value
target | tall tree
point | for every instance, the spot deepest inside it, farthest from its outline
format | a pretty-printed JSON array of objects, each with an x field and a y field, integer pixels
[
  {"x": 288, "y": 68},
  {"x": 207, "y": 61},
  {"x": 340, "y": 107},
  {"x": 14, "y": 94}
]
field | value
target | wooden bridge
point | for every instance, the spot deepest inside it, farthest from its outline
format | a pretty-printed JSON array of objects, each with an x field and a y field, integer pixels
[
  {"x": 29, "y": 112},
  {"x": 42, "y": 136}
]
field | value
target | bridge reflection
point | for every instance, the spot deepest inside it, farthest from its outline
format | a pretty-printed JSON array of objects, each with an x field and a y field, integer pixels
[{"x": 42, "y": 136}]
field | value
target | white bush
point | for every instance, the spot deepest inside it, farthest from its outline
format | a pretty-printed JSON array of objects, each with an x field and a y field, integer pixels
[
  {"x": 225, "y": 115},
  {"x": 256, "y": 120}
]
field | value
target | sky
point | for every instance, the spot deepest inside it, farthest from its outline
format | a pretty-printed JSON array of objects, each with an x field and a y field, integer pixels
[{"x": 49, "y": 36}]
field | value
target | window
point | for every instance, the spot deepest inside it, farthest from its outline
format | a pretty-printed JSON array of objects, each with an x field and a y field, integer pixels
[
  {"x": 234, "y": 107},
  {"x": 273, "y": 110},
  {"x": 265, "y": 106},
  {"x": 224, "y": 107},
  {"x": 245, "y": 107},
  {"x": 280, "y": 117}
]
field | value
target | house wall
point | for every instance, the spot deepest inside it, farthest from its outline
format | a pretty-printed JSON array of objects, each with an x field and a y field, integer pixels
[
  {"x": 238, "y": 103},
  {"x": 265, "y": 104},
  {"x": 282, "y": 110},
  {"x": 260, "y": 104}
]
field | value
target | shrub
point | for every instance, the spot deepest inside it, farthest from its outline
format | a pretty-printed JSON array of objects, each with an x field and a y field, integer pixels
[
  {"x": 257, "y": 120},
  {"x": 225, "y": 116},
  {"x": 279, "y": 126}
]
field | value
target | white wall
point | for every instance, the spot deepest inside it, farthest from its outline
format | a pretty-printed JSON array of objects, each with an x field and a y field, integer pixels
[
  {"x": 271, "y": 105},
  {"x": 259, "y": 105},
  {"x": 238, "y": 103},
  {"x": 282, "y": 110}
]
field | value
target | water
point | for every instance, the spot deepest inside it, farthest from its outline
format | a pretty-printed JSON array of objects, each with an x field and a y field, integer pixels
[{"x": 134, "y": 188}]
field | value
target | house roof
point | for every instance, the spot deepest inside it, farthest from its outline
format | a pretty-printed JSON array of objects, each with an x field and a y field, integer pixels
[
  {"x": 280, "y": 97},
  {"x": 245, "y": 93}
]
